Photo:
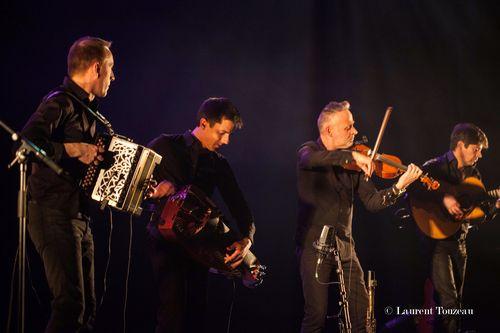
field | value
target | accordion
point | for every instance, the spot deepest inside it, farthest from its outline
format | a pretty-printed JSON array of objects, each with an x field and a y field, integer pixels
[
  {"x": 191, "y": 219},
  {"x": 121, "y": 180}
]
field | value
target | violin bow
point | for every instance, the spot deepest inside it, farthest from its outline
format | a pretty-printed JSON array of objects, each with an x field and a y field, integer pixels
[{"x": 373, "y": 152}]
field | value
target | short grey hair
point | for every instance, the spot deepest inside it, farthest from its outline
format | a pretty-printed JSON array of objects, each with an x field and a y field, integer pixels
[{"x": 329, "y": 110}]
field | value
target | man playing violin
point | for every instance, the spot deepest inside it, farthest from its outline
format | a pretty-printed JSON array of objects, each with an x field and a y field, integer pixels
[
  {"x": 326, "y": 193},
  {"x": 448, "y": 256}
]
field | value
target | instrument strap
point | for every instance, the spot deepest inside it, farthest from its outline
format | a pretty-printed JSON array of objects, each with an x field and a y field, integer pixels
[{"x": 96, "y": 114}]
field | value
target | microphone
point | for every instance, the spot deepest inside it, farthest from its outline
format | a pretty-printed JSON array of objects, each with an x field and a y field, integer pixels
[{"x": 326, "y": 243}]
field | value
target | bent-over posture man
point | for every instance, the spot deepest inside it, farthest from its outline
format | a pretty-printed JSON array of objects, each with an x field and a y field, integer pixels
[{"x": 192, "y": 159}]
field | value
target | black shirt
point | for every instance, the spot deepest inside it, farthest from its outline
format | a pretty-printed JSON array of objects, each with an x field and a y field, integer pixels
[
  {"x": 445, "y": 168},
  {"x": 58, "y": 120},
  {"x": 186, "y": 162},
  {"x": 326, "y": 192}
]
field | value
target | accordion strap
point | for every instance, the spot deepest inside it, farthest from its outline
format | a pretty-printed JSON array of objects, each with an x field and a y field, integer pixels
[{"x": 96, "y": 114}]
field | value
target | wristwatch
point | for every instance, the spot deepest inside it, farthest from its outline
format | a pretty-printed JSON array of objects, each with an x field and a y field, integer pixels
[{"x": 396, "y": 191}]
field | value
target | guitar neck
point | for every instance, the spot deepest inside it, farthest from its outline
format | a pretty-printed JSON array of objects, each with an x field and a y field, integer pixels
[{"x": 494, "y": 193}]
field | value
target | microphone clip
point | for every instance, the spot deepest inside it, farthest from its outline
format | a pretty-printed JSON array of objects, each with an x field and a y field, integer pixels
[{"x": 323, "y": 248}]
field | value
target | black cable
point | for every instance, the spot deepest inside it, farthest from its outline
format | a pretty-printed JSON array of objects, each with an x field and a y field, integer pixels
[
  {"x": 350, "y": 265},
  {"x": 350, "y": 238},
  {"x": 11, "y": 298},
  {"x": 128, "y": 274},
  {"x": 316, "y": 275},
  {"x": 231, "y": 307},
  {"x": 96, "y": 114},
  {"x": 31, "y": 281},
  {"x": 105, "y": 279},
  {"x": 12, "y": 278},
  {"x": 351, "y": 259}
]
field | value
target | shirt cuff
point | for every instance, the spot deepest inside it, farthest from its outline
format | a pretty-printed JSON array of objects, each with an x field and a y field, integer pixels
[
  {"x": 391, "y": 195},
  {"x": 251, "y": 238}
]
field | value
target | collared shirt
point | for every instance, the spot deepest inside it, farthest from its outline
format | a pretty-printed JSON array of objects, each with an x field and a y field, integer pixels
[
  {"x": 326, "y": 192},
  {"x": 186, "y": 162},
  {"x": 445, "y": 168},
  {"x": 58, "y": 120}
]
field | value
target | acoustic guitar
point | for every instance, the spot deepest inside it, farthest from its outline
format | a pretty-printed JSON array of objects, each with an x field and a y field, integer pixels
[{"x": 433, "y": 219}]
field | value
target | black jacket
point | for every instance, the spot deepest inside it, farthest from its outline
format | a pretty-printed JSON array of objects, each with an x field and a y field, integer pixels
[{"x": 326, "y": 192}]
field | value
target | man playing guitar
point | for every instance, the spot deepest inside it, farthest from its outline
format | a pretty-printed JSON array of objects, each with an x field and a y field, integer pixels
[{"x": 442, "y": 217}]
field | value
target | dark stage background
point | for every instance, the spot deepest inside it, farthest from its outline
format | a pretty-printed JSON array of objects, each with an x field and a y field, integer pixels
[{"x": 280, "y": 62}]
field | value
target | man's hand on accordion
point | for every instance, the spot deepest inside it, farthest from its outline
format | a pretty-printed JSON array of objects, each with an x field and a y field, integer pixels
[
  {"x": 85, "y": 152},
  {"x": 165, "y": 188},
  {"x": 237, "y": 251}
]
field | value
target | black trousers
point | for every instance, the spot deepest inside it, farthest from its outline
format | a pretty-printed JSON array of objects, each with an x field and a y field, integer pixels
[
  {"x": 181, "y": 288},
  {"x": 316, "y": 294},
  {"x": 66, "y": 247},
  {"x": 449, "y": 260}
]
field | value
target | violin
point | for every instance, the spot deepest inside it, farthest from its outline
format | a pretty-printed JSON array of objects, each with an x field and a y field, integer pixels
[{"x": 388, "y": 166}]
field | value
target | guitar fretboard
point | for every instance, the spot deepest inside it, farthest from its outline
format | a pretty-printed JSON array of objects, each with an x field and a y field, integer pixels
[{"x": 494, "y": 193}]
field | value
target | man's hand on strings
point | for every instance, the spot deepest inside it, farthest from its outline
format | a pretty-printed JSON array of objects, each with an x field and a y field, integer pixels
[{"x": 453, "y": 206}]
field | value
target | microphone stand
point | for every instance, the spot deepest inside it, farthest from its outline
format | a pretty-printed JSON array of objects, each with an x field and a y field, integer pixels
[
  {"x": 344, "y": 302},
  {"x": 22, "y": 153},
  {"x": 325, "y": 249}
]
